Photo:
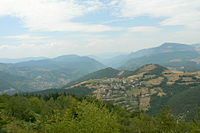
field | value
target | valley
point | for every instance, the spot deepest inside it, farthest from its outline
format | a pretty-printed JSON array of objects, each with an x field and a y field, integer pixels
[
  {"x": 35, "y": 74},
  {"x": 43, "y": 74},
  {"x": 51, "y": 93},
  {"x": 151, "y": 87},
  {"x": 134, "y": 85},
  {"x": 99, "y": 66}
]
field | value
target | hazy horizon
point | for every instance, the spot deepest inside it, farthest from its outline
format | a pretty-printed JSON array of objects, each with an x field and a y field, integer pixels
[
  {"x": 50, "y": 28},
  {"x": 107, "y": 55}
]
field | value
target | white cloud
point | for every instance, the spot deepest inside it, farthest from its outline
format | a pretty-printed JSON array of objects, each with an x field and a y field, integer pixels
[
  {"x": 52, "y": 15},
  {"x": 58, "y": 15},
  {"x": 32, "y": 50},
  {"x": 87, "y": 44},
  {"x": 24, "y": 37},
  {"x": 144, "y": 29},
  {"x": 175, "y": 12}
]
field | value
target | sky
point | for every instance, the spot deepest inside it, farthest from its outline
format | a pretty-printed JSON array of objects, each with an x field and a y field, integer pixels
[{"x": 49, "y": 28}]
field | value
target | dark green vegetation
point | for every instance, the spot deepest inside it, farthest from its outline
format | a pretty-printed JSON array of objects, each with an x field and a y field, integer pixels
[
  {"x": 187, "y": 101},
  {"x": 128, "y": 101},
  {"x": 68, "y": 114},
  {"x": 183, "y": 100},
  {"x": 148, "y": 89},
  {"x": 7, "y": 80},
  {"x": 44, "y": 74}
]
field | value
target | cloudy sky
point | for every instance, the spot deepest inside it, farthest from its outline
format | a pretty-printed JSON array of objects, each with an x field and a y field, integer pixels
[{"x": 58, "y": 27}]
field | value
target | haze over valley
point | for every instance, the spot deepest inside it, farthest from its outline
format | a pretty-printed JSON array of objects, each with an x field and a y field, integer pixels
[
  {"x": 45, "y": 73},
  {"x": 99, "y": 66}
]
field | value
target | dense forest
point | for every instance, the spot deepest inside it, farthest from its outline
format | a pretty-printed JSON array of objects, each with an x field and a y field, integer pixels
[{"x": 58, "y": 113}]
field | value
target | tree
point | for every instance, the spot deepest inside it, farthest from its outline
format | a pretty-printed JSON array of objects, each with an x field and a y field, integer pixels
[{"x": 85, "y": 118}]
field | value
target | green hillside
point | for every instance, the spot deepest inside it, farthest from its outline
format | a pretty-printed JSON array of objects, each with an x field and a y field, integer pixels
[
  {"x": 104, "y": 73},
  {"x": 186, "y": 102},
  {"x": 45, "y": 74},
  {"x": 6, "y": 81},
  {"x": 9, "y": 83},
  {"x": 69, "y": 114},
  {"x": 137, "y": 101},
  {"x": 149, "y": 89}
]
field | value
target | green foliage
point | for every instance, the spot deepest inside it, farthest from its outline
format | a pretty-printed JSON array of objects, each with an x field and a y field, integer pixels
[
  {"x": 187, "y": 101},
  {"x": 85, "y": 118},
  {"x": 68, "y": 114},
  {"x": 60, "y": 115}
]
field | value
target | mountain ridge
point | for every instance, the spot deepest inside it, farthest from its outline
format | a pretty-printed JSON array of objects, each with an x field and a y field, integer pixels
[
  {"x": 49, "y": 73},
  {"x": 148, "y": 89},
  {"x": 172, "y": 55},
  {"x": 120, "y": 60}
]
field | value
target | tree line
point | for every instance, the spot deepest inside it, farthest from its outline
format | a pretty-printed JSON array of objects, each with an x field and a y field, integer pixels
[{"x": 60, "y": 113}]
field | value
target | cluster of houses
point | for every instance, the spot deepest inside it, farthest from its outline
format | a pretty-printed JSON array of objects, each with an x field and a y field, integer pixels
[{"x": 118, "y": 91}]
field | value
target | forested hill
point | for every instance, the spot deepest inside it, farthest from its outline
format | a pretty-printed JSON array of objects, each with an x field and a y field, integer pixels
[
  {"x": 68, "y": 114},
  {"x": 110, "y": 104},
  {"x": 103, "y": 73},
  {"x": 43, "y": 74},
  {"x": 148, "y": 89}
]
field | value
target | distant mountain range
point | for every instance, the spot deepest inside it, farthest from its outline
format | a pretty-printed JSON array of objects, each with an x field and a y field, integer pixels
[
  {"x": 46, "y": 73},
  {"x": 33, "y": 74},
  {"x": 133, "y": 85},
  {"x": 7, "y": 60},
  {"x": 172, "y": 55},
  {"x": 171, "y": 77}
]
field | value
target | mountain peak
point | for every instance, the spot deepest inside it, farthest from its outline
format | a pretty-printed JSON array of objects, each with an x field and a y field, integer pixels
[
  {"x": 173, "y": 44},
  {"x": 67, "y": 57},
  {"x": 175, "y": 47},
  {"x": 151, "y": 68}
]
